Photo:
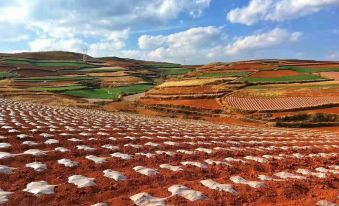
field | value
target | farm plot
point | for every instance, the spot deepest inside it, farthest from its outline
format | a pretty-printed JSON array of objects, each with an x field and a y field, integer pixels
[
  {"x": 279, "y": 103},
  {"x": 194, "y": 82},
  {"x": 69, "y": 156},
  {"x": 109, "y": 93}
]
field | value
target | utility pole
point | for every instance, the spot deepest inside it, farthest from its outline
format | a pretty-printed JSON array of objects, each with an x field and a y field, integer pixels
[{"x": 84, "y": 55}]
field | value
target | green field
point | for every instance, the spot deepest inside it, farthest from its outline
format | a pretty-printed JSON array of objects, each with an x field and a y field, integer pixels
[
  {"x": 53, "y": 79},
  {"x": 284, "y": 79},
  {"x": 5, "y": 75},
  {"x": 56, "y": 89},
  {"x": 109, "y": 93},
  {"x": 45, "y": 63},
  {"x": 92, "y": 70},
  {"x": 162, "y": 65},
  {"x": 173, "y": 71},
  {"x": 309, "y": 70},
  {"x": 225, "y": 74}
]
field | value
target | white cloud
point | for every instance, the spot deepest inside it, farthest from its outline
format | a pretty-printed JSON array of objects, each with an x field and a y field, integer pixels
[
  {"x": 277, "y": 10},
  {"x": 262, "y": 41},
  {"x": 51, "y": 44},
  {"x": 207, "y": 44}
]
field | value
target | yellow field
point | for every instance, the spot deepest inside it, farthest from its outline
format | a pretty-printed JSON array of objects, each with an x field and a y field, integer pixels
[{"x": 193, "y": 82}]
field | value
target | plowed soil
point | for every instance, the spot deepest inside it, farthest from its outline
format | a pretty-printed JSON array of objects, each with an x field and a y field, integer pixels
[
  {"x": 295, "y": 149},
  {"x": 276, "y": 73},
  {"x": 195, "y": 103}
]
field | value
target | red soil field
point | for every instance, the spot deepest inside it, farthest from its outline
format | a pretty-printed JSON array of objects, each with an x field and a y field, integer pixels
[
  {"x": 275, "y": 73},
  {"x": 279, "y": 167},
  {"x": 211, "y": 104},
  {"x": 188, "y": 90}
]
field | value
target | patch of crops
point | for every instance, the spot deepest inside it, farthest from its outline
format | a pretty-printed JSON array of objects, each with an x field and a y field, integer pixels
[
  {"x": 45, "y": 63},
  {"x": 53, "y": 79},
  {"x": 109, "y": 93},
  {"x": 162, "y": 65},
  {"x": 284, "y": 79},
  {"x": 225, "y": 74},
  {"x": 5, "y": 75},
  {"x": 310, "y": 70},
  {"x": 56, "y": 89},
  {"x": 173, "y": 71}
]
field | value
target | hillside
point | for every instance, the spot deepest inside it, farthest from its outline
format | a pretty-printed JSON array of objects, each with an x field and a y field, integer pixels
[{"x": 254, "y": 91}]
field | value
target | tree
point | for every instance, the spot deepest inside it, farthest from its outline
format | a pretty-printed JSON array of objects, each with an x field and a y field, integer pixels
[{"x": 91, "y": 83}]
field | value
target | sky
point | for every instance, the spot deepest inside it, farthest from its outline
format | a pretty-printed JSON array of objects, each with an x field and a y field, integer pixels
[{"x": 181, "y": 31}]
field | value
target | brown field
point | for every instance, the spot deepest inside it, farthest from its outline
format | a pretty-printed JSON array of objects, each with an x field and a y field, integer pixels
[
  {"x": 211, "y": 104},
  {"x": 108, "y": 74},
  {"x": 275, "y": 73},
  {"x": 117, "y": 81},
  {"x": 330, "y": 75},
  {"x": 189, "y": 90}
]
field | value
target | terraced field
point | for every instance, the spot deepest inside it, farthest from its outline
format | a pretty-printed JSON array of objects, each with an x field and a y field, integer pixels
[
  {"x": 279, "y": 103},
  {"x": 68, "y": 156}
]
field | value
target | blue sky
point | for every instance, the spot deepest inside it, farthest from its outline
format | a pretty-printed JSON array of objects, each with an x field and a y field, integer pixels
[{"x": 184, "y": 31}]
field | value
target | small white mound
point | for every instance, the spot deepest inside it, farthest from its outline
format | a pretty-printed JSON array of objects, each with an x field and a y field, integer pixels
[
  {"x": 96, "y": 160},
  {"x": 51, "y": 141},
  {"x": 5, "y": 145},
  {"x": 61, "y": 149},
  {"x": 231, "y": 159},
  {"x": 37, "y": 166},
  {"x": 169, "y": 153},
  {"x": 4, "y": 196},
  {"x": 145, "y": 171},
  {"x": 308, "y": 172},
  {"x": 134, "y": 146},
  {"x": 2, "y": 137},
  {"x": 208, "y": 151},
  {"x": 100, "y": 204},
  {"x": 219, "y": 187},
  {"x": 40, "y": 188},
  {"x": 152, "y": 144},
  {"x": 145, "y": 199},
  {"x": 185, "y": 151},
  {"x": 110, "y": 147},
  {"x": 171, "y": 167},
  {"x": 257, "y": 159},
  {"x": 121, "y": 156},
  {"x": 187, "y": 193},
  {"x": 265, "y": 178},
  {"x": 22, "y": 136},
  {"x": 6, "y": 170},
  {"x": 325, "y": 203},
  {"x": 67, "y": 163},
  {"x": 5, "y": 155},
  {"x": 196, "y": 164},
  {"x": 85, "y": 148},
  {"x": 30, "y": 143},
  {"x": 240, "y": 180},
  {"x": 212, "y": 162},
  {"x": 287, "y": 175},
  {"x": 35, "y": 152},
  {"x": 81, "y": 181},
  {"x": 148, "y": 155},
  {"x": 117, "y": 176},
  {"x": 171, "y": 143},
  {"x": 74, "y": 140}
]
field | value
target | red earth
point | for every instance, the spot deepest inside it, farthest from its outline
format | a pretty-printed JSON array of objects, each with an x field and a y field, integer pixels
[
  {"x": 276, "y": 73},
  {"x": 250, "y": 152}
]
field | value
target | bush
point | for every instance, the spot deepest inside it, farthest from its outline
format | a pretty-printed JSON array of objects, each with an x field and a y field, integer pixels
[{"x": 91, "y": 83}]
